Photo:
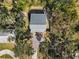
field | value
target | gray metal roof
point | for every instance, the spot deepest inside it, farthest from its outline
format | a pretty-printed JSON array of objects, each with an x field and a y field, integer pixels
[{"x": 38, "y": 19}]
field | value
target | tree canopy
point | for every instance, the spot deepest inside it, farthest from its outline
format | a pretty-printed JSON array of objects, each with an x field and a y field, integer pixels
[{"x": 63, "y": 17}]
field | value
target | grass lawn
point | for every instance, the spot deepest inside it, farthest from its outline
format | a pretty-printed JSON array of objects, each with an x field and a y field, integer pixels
[
  {"x": 6, "y": 56},
  {"x": 6, "y": 46},
  {"x": 11, "y": 47}
]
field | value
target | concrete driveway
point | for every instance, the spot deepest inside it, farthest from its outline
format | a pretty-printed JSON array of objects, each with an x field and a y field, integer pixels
[{"x": 35, "y": 44}]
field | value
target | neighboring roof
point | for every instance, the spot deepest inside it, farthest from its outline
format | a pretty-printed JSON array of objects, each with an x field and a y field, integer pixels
[
  {"x": 4, "y": 37},
  {"x": 4, "y": 34},
  {"x": 38, "y": 19},
  {"x": 7, "y": 33}
]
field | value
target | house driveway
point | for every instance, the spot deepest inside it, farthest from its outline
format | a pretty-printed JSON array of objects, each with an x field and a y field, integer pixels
[{"x": 35, "y": 44}]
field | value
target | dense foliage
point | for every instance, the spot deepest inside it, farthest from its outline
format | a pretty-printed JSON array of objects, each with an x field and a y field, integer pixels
[
  {"x": 16, "y": 20},
  {"x": 63, "y": 20}
]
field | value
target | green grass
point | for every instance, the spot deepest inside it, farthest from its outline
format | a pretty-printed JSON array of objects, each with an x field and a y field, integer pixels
[
  {"x": 6, "y": 46},
  {"x": 6, "y": 56}
]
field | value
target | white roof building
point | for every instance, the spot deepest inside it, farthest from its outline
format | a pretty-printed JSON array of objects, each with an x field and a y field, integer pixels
[
  {"x": 38, "y": 22},
  {"x": 4, "y": 36}
]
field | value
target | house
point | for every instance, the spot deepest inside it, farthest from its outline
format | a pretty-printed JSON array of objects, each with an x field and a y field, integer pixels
[
  {"x": 4, "y": 37},
  {"x": 38, "y": 21}
]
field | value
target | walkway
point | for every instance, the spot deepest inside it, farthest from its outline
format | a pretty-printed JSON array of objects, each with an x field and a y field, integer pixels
[
  {"x": 36, "y": 46},
  {"x": 9, "y": 52}
]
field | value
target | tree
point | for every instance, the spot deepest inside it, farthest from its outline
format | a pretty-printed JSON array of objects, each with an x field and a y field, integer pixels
[
  {"x": 63, "y": 18},
  {"x": 7, "y": 19},
  {"x": 43, "y": 48},
  {"x": 22, "y": 37},
  {"x": 16, "y": 18},
  {"x": 62, "y": 48}
]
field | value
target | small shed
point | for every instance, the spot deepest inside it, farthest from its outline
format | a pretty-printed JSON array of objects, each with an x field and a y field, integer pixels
[{"x": 38, "y": 21}]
